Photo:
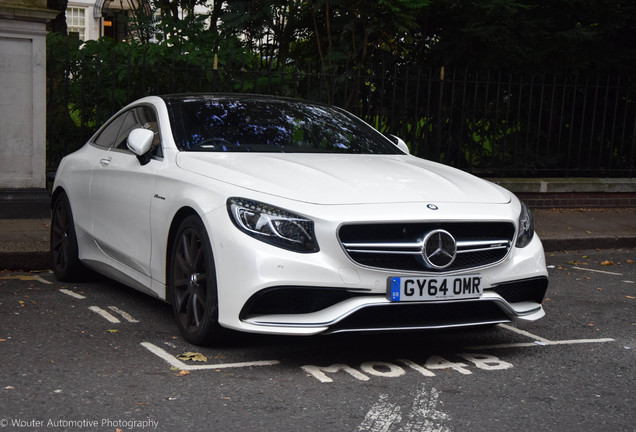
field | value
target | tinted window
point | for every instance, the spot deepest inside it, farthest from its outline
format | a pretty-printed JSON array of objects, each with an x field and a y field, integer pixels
[
  {"x": 128, "y": 125},
  {"x": 107, "y": 137},
  {"x": 261, "y": 125}
]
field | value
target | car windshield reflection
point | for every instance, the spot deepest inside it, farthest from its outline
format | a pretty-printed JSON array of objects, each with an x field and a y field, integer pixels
[{"x": 281, "y": 126}]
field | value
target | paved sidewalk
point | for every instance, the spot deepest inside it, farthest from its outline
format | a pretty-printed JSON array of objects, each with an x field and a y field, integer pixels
[
  {"x": 578, "y": 229},
  {"x": 24, "y": 243}
]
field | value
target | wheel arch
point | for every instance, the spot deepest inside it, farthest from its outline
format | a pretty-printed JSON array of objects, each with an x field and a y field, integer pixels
[
  {"x": 179, "y": 217},
  {"x": 55, "y": 195}
]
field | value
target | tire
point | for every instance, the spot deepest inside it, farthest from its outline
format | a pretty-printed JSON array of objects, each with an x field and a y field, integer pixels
[
  {"x": 63, "y": 243},
  {"x": 192, "y": 284}
]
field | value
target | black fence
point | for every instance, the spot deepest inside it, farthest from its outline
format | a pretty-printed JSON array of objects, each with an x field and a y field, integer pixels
[{"x": 489, "y": 123}]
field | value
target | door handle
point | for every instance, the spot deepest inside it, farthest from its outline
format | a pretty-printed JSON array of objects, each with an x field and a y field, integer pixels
[{"x": 105, "y": 161}]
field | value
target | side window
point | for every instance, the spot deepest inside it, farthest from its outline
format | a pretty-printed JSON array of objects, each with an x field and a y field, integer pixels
[
  {"x": 127, "y": 126},
  {"x": 108, "y": 135}
]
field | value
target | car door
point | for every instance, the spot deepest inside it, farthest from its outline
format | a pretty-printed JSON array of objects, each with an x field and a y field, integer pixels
[{"x": 121, "y": 193}]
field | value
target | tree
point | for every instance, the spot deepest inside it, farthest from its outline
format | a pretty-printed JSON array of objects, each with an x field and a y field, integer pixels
[
  {"x": 356, "y": 31},
  {"x": 555, "y": 35},
  {"x": 58, "y": 24}
]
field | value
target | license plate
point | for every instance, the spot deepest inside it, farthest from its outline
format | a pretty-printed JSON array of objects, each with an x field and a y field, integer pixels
[{"x": 403, "y": 289}]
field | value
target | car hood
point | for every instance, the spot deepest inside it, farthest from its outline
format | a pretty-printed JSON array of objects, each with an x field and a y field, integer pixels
[{"x": 343, "y": 178}]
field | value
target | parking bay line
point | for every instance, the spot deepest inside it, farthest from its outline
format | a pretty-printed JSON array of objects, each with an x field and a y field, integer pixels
[
  {"x": 124, "y": 314},
  {"x": 603, "y": 272},
  {"x": 538, "y": 341},
  {"x": 111, "y": 318},
  {"x": 598, "y": 271},
  {"x": 101, "y": 312},
  {"x": 173, "y": 361},
  {"x": 27, "y": 278},
  {"x": 523, "y": 332},
  {"x": 72, "y": 294}
]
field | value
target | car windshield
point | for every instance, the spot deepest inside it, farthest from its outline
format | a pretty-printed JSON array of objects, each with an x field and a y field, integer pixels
[{"x": 270, "y": 125}]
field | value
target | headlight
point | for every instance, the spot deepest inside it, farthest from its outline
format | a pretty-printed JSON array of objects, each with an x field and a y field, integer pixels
[
  {"x": 526, "y": 226},
  {"x": 273, "y": 225}
]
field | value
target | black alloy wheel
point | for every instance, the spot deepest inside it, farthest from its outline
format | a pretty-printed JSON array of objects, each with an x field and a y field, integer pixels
[
  {"x": 63, "y": 243},
  {"x": 192, "y": 282}
]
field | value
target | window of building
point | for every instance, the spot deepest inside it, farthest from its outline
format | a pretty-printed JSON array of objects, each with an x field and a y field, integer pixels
[{"x": 76, "y": 21}]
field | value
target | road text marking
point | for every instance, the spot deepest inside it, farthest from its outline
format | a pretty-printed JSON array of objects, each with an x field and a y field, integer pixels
[
  {"x": 425, "y": 415},
  {"x": 392, "y": 370}
]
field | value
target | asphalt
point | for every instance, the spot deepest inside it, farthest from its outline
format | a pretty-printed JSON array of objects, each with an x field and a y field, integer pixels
[{"x": 24, "y": 243}]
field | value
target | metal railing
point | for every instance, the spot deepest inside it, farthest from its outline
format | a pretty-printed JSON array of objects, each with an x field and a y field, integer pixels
[{"x": 488, "y": 123}]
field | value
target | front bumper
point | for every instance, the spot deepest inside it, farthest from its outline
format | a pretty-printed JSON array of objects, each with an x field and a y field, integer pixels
[{"x": 264, "y": 289}]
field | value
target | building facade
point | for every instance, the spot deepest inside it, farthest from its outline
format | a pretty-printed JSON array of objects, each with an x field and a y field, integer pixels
[{"x": 90, "y": 20}]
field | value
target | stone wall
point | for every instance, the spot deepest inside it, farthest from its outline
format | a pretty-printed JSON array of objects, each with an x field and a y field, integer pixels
[
  {"x": 573, "y": 192},
  {"x": 23, "y": 93}
]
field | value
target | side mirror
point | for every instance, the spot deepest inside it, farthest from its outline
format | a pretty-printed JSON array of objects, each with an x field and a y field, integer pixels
[
  {"x": 140, "y": 142},
  {"x": 399, "y": 143}
]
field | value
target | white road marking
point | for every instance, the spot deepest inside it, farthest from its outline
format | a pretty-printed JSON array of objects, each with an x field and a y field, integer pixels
[
  {"x": 101, "y": 312},
  {"x": 27, "y": 278},
  {"x": 125, "y": 315},
  {"x": 522, "y": 332},
  {"x": 417, "y": 367},
  {"x": 511, "y": 345},
  {"x": 424, "y": 416},
  {"x": 175, "y": 362},
  {"x": 381, "y": 416},
  {"x": 373, "y": 368},
  {"x": 72, "y": 294},
  {"x": 598, "y": 271},
  {"x": 44, "y": 281},
  {"x": 440, "y": 363},
  {"x": 110, "y": 317},
  {"x": 485, "y": 361},
  {"x": 318, "y": 372},
  {"x": 538, "y": 343},
  {"x": 390, "y": 370},
  {"x": 580, "y": 341}
]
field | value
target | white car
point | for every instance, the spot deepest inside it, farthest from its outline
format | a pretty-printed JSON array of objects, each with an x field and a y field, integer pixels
[{"x": 273, "y": 215}]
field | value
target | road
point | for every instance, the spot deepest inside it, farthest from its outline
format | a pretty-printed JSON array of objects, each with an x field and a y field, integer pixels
[{"x": 99, "y": 356}]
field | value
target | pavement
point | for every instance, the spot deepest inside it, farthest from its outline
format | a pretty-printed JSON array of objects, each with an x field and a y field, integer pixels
[{"x": 24, "y": 243}]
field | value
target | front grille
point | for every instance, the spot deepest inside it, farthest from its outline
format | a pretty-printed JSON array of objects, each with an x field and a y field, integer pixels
[{"x": 399, "y": 246}]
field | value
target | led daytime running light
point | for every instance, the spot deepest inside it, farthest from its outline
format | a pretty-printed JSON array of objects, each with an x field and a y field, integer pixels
[
  {"x": 526, "y": 226},
  {"x": 273, "y": 225}
]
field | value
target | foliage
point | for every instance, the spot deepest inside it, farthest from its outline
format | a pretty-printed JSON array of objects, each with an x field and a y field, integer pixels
[
  {"x": 57, "y": 24},
  {"x": 352, "y": 53},
  {"x": 558, "y": 35}
]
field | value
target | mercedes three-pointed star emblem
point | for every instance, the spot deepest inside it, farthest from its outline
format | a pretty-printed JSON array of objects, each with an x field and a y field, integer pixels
[{"x": 439, "y": 249}]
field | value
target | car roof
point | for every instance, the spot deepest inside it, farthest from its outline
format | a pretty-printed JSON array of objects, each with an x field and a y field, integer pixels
[{"x": 179, "y": 97}]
